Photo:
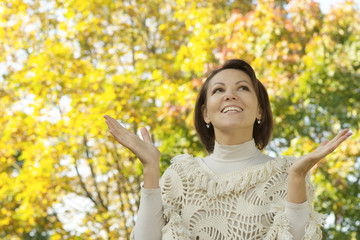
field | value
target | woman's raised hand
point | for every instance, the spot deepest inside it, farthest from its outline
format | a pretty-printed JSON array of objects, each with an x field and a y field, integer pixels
[
  {"x": 297, "y": 172},
  {"x": 306, "y": 162},
  {"x": 144, "y": 149}
]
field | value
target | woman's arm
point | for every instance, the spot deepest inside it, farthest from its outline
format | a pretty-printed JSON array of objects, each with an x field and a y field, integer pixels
[
  {"x": 150, "y": 220},
  {"x": 297, "y": 209},
  {"x": 298, "y": 216},
  {"x": 144, "y": 149},
  {"x": 150, "y": 216},
  {"x": 297, "y": 172}
]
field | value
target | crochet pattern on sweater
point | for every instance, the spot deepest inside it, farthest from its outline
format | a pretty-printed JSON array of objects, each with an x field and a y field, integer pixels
[{"x": 248, "y": 204}]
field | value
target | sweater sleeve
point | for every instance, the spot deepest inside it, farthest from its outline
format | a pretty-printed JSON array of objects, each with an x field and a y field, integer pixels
[
  {"x": 150, "y": 221},
  {"x": 298, "y": 216},
  {"x": 296, "y": 221}
]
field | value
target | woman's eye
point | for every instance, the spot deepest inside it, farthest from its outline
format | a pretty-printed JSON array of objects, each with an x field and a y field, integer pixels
[
  {"x": 244, "y": 88},
  {"x": 217, "y": 90}
]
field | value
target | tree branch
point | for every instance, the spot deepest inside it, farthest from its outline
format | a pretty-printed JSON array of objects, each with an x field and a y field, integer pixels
[
  {"x": 93, "y": 174},
  {"x": 88, "y": 194}
]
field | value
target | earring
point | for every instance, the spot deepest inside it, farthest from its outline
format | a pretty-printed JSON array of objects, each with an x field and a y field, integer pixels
[
  {"x": 207, "y": 125},
  {"x": 259, "y": 121}
]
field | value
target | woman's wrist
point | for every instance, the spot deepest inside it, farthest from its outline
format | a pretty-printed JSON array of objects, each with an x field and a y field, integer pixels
[
  {"x": 151, "y": 177},
  {"x": 296, "y": 188},
  {"x": 297, "y": 174}
]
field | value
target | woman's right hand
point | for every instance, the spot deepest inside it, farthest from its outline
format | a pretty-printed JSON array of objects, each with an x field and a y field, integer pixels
[{"x": 144, "y": 149}]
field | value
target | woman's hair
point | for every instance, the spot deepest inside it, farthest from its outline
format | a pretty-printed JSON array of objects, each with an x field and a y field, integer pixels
[{"x": 261, "y": 132}]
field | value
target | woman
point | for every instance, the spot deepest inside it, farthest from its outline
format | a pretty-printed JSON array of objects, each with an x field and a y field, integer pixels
[{"x": 236, "y": 192}]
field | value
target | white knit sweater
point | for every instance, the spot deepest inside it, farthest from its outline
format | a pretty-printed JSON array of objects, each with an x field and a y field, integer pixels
[{"x": 235, "y": 193}]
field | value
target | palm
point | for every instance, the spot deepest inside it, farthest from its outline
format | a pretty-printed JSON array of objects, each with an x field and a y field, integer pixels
[
  {"x": 145, "y": 150},
  {"x": 306, "y": 162}
]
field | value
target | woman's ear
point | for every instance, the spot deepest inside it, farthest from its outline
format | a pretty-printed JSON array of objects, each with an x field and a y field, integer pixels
[{"x": 204, "y": 113}]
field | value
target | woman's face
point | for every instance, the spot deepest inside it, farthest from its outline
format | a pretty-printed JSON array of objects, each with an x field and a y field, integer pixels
[{"x": 232, "y": 103}]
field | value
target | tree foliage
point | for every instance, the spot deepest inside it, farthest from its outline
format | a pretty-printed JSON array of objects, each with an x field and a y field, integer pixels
[{"x": 65, "y": 63}]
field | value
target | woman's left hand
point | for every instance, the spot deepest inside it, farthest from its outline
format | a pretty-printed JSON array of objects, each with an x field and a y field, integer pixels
[{"x": 303, "y": 165}]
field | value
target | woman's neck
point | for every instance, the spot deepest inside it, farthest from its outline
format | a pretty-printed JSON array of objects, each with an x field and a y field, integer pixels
[
  {"x": 232, "y": 138},
  {"x": 235, "y": 152},
  {"x": 232, "y": 158}
]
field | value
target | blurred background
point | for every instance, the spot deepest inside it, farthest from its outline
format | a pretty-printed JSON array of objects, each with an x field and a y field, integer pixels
[{"x": 66, "y": 63}]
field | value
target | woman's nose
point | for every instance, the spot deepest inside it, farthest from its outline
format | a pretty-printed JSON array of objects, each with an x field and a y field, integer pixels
[{"x": 230, "y": 96}]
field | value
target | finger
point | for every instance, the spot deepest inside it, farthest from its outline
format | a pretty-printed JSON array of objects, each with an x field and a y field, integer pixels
[
  {"x": 110, "y": 125},
  {"x": 108, "y": 119},
  {"x": 117, "y": 130},
  {"x": 112, "y": 134},
  {"x": 342, "y": 136},
  {"x": 145, "y": 135},
  {"x": 334, "y": 140},
  {"x": 324, "y": 143},
  {"x": 114, "y": 124}
]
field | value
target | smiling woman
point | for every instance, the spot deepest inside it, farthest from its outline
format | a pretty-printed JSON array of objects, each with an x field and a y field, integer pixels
[
  {"x": 250, "y": 89},
  {"x": 236, "y": 192},
  {"x": 231, "y": 106}
]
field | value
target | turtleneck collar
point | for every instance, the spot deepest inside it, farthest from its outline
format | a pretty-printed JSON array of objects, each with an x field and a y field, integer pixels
[{"x": 234, "y": 153}]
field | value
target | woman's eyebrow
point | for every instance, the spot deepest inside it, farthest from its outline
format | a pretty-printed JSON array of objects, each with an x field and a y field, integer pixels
[
  {"x": 218, "y": 83},
  {"x": 241, "y": 82},
  {"x": 221, "y": 83}
]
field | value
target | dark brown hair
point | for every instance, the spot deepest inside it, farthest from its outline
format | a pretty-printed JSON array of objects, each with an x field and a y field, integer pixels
[{"x": 261, "y": 132}]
